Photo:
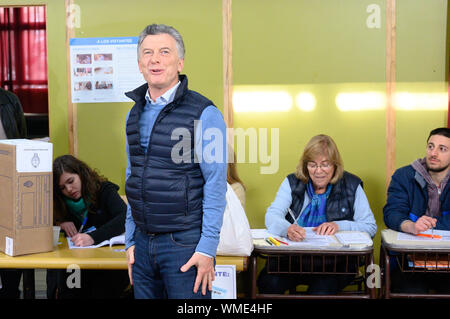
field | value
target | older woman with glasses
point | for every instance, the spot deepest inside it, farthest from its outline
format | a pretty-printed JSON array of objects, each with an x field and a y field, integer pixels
[{"x": 320, "y": 194}]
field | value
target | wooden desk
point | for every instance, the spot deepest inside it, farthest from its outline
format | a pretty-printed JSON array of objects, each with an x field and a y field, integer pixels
[
  {"x": 359, "y": 252},
  {"x": 403, "y": 252},
  {"x": 108, "y": 258}
]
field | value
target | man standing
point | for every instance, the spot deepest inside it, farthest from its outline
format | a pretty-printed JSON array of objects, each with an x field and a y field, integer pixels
[
  {"x": 176, "y": 203},
  {"x": 418, "y": 200}
]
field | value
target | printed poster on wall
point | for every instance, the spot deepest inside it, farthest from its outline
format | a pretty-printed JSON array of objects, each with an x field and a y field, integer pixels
[
  {"x": 224, "y": 284},
  {"x": 103, "y": 69}
]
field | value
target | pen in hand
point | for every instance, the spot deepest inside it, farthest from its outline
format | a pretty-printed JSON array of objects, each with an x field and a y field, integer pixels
[
  {"x": 432, "y": 229},
  {"x": 84, "y": 223}
]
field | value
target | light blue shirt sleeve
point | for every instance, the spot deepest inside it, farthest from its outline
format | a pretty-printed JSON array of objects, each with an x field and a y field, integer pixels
[
  {"x": 275, "y": 219},
  {"x": 130, "y": 226},
  {"x": 211, "y": 150},
  {"x": 363, "y": 219},
  {"x": 276, "y": 223}
]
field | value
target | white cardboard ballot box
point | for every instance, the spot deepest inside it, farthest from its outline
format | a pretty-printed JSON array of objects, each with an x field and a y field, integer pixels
[{"x": 26, "y": 197}]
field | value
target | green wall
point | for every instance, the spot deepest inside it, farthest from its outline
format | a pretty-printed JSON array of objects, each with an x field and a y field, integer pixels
[
  {"x": 101, "y": 126},
  {"x": 323, "y": 47},
  {"x": 422, "y": 67}
]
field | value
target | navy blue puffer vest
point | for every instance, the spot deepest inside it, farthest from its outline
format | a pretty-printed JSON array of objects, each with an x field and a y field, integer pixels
[
  {"x": 339, "y": 203},
  {"x": 165, "y": 196}
]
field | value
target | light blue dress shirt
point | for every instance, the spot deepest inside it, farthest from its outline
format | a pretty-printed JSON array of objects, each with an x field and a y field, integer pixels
[
  {"x": 214, "y": 171},
  {"x": 276, "y": 223}
]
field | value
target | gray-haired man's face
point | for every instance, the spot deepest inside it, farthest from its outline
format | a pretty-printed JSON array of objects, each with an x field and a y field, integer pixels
[{"x": 159, "y": 62}]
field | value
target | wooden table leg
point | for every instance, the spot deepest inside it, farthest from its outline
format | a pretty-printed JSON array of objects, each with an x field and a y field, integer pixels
[
  {"x": 373, "y": 290},
  {"x": 253, "y": 274},
  {"x": 387, "y": 275}
]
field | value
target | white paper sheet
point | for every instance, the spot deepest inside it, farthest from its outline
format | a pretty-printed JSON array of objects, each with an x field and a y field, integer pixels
[
  {"x": 409, "y": 237},
  {"x": 259, "y": 233},
  {"x": 32, "y": 156},
  {"x": 117, "y": 240},
  {"x": 103, "y": 69},
  {"x": 349, "y": 238},
  {"x": 312, "y": 239}
]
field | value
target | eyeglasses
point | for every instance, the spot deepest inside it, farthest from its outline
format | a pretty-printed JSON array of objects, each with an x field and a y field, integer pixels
[{"x": 324, "y": 166}]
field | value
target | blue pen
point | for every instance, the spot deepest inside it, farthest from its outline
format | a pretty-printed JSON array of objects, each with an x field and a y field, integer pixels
[{"x": 84, "y": 222}]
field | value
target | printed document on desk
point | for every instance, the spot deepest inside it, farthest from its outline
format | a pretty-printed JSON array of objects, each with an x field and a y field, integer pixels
[
  {"x": 445, "y": 234},
  {"x": 118, "y": 240},
  {"x": 312, "y": 239},
  {"x": 353, "y": 238},
  {"x": 260, "y": 233}
]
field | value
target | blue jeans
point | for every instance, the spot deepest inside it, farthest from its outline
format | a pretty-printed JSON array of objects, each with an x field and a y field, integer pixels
[{"x": 157, "y": 262}]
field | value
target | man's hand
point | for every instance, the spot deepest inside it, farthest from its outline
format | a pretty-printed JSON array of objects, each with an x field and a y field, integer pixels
[
  {"x": 205, "y": 271},
  {"x": 296, "y": 233},
  {"x": 130, "y": 260},
  {"x": 328, "y": 228},
  {"x": 422, "y": 224},
  {"x": 82, "y": 240}
]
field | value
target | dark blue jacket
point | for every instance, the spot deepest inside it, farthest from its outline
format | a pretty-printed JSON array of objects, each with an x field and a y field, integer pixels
[
  {"x": 165, "y": 196},
  {"x": 339, "y": 203},
  {"x": 408, "y": 200}
]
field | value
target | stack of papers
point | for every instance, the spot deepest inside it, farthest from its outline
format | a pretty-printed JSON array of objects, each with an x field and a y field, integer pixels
[
  {"x": 353, "y": 238},
  {"x": 259, "y": 233},
  {"x": 312, "y": 239},
  {"x": 118, "y": 240},
  {"x": 445, "y": 236}
]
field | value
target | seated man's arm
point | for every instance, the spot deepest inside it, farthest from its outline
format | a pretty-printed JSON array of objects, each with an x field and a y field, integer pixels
[{"x": 397, "y": 208}]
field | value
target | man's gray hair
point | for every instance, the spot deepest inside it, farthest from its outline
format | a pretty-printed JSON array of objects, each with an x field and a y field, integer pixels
[{"x": 154, "y": 29}]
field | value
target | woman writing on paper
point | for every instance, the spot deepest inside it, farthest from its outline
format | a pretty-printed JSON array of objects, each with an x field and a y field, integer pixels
[
  {"x": 88, "y": 209},
  {"x": 320, "y": 194},
  {"x": 81, "y": 195}
]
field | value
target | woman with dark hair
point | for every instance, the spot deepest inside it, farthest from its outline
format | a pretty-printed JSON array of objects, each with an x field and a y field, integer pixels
[
  {"x": 320, "y": 194},
  {"x": 84, "y": 200}
]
